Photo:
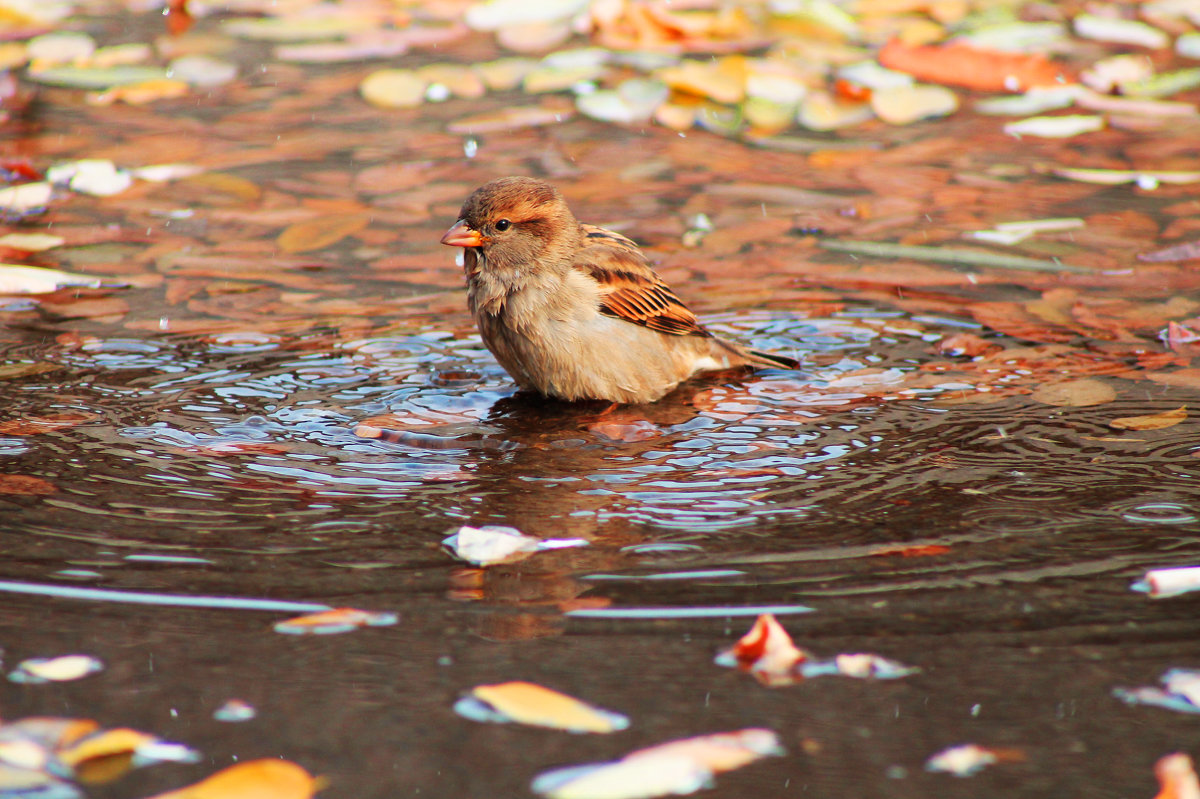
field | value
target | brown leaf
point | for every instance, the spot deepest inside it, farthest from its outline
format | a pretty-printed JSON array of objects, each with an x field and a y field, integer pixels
[
  {"x": 1154, "y": 421},
  {"x": 316, "y": 234},
  {"x": 1076, "y": 393},
  {"x": 25, "y": 485},
  {"x": 1182, "y": 378},
  {"x": 44, "y": 424}
]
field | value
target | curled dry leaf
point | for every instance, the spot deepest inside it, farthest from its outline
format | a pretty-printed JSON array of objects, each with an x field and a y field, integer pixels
[
  {"x": 337, "y": 620},
  {"x": 538, "y": 706},
  {"x": 1154, "y": 421},
  {"x": 255, "y": 779},
  {"x": 767, "y": 652}
]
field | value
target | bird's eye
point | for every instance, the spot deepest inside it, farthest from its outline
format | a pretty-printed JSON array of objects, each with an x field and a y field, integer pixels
[{"x": 503, "y": 225}]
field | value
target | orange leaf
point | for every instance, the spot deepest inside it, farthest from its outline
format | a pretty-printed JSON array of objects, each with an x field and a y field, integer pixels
[
  {"x": 321, "y": 232},
  {"x": 25, "y": 485},
  {"x": 961, "y": 65},
  {"x": 337, "y": 620},
  {"x": 1176, "y": 777},
  {"x": 256, "y": 779},
  {"x": 44, "y": 424},
  {"x": 1154, "y": 421}
]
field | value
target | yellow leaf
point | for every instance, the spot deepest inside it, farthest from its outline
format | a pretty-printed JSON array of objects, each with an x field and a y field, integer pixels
[
  {"x": 321, "y": 232},
  {"x": 528, "y": 703},
  {"x": 256, "y": 779},
  {"x": 1153, "y": 421}
]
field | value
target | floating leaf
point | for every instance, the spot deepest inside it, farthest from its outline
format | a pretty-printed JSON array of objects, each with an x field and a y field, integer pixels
[
  {"x": 1180, "y": 692},
  {"x": 538, "y": 706},
  {"x": 26, "y": 485},
  {"x": 316, "y": 234},
  {"x": 297, "y": 28},
  {"x": 337, "y": 620},
  {"x": 96, "y": 176},
  {"x": 1156, "y": 421},
  {"x": 96, "y": 77},
  {"x": 964, "y": 760},
  {"x": 25, "y": 198},
  {"x": 1177, "y": 778},
  {"x": 491, "y": 544},
  {"x": 1162, "y": 583},
  {"x": 31, "y": 242},
  {"x": 60, "y": 669},
  {"x": 140, "y": 93},
  {"x": 511, "y": 118},
  {"x": 1034, "y": 101},
  {"x": 495, "y": 14},
  {"x": 879, "y": 249},
  {"x": 1075, "y": 393},
  {"x": 1119, "y": 31},
  {"x": 970, "y": 67},
  {"x": 255, "y": 779},
  {"x": 234, "y": 710},
  {"x": 202, "y": 70},
  {"x": 678, "y": 767},
  {"x": 1060, "y": 127},
  {"x": 61, "y": 47},
  {"x": 33, "y": 425},
  {"x": 904, "y": 105},
  {"x": 1112, "y": 177},
  {"x": 394, "y": 88}
]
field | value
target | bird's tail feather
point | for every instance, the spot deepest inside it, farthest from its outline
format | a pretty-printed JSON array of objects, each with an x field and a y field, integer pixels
[{"x": 758, "y": 358}]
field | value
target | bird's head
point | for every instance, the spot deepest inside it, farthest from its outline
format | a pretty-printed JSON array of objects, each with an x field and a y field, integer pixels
[{"x": 515, "y": 223}]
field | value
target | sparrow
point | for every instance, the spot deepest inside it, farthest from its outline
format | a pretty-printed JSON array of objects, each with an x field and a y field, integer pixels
[{"x": 574, "y": 311}]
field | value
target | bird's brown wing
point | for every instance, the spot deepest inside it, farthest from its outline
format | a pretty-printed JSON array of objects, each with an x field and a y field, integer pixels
[{"x": 629, "y": 288}]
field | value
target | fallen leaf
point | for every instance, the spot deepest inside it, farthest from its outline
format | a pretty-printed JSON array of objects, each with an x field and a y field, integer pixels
[
  {"x": 492, "y": 544},
  {"x": 973, "y": 68},
  {"x": 1075, "y": 393},
  {"x": 1155, "y": 421},
  {"x": 962, "y": 761},
  {"x": 1162, "y": 583},
  {"x": 60, "y": 669},
  {"x": 1177, "y": 777},
  {"x": 538, "y": 706},
  {"x": 677, "y": 767},
  {"x": 316, "y": 234},
  {"x": 255, "y": 779},
  {"x": 26, "y": 485},
  {"x": 33, "y": 425},
  {"x": 337, "y": 620}
]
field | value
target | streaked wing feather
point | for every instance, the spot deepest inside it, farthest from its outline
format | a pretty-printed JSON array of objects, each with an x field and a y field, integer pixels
[{"x": 629, "y": 288}]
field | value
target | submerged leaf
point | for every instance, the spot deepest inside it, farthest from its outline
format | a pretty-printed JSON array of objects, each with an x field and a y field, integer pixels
[
  {"x": 316, "y": 234},
  {"x": 1075, "y": 393}
]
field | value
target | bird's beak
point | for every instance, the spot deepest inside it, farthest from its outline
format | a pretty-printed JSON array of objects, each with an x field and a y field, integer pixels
[{"x": 461, "y": 235}]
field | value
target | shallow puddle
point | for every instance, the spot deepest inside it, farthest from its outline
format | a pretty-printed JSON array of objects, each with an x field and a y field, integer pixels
[{"x": 250, "y": 421}]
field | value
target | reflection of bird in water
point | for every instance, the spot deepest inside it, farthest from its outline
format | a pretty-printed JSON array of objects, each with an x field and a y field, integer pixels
[{"x": 575, "y": 311}]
